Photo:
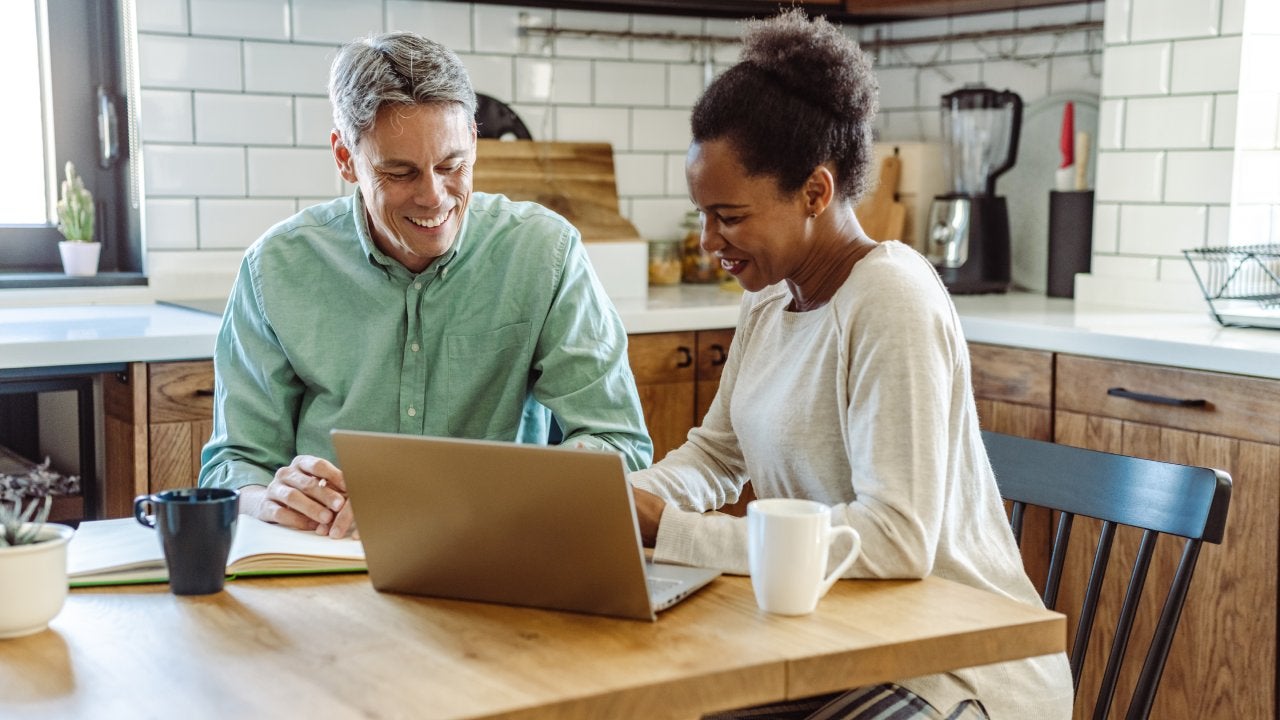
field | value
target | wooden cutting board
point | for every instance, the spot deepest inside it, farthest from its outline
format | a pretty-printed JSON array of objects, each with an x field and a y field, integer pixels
[
  {"x": 574, "y": 179},
  {"x": 881, "y": 215}
]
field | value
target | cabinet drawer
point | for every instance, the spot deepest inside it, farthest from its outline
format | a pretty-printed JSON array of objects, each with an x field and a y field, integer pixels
[
  {"x": 1233, "y": 406},
  {"x": 1012, "y": 374},
  {"x": 180, "y": 391},
  {"x": 713, "y": 350},
  {"x": 662, "y": 357}
]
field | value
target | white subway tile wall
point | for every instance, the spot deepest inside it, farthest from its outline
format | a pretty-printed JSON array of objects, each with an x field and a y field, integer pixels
[
  {"x": 235, "y": 119},
  {"x": 163, "y": 15},
  {"x": 1189, "y": 153},
  {"x": 166, "y": 116},
  {"x": 224, "y": 118},
  {"x": 335, "y": 21},
  {"x": 228, "y": 224},
  {"x": 1198, "y": 177},
  {"x": 261, "y": 19},
  {"x": 1173, "y": 19}
]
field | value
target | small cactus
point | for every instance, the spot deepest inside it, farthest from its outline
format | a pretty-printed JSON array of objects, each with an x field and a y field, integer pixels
[{"x": 75, "y": 209}]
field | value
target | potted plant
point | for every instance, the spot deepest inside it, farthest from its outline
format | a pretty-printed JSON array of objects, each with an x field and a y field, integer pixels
[
  {"x": 33, "y": 566},
  {"x": 75, "y": 222}
]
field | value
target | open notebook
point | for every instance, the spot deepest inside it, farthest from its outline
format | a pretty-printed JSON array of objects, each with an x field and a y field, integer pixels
[{"x": 119, "y": 552}]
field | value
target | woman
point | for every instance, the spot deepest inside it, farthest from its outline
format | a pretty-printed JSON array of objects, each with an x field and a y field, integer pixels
[{"x": 848, "y": 381}]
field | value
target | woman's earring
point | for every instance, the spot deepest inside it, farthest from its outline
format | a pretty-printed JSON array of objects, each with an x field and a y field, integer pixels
[{"x": 813, "y": 215}]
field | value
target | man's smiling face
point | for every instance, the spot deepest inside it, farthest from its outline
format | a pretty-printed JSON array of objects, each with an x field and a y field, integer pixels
[{"x": 414, "y": 171}]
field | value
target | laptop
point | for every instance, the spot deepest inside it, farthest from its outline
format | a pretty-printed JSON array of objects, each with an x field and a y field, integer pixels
[{"x": 533, "y": 525}]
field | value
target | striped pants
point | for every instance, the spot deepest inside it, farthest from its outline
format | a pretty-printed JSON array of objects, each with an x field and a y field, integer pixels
[{"x": 876, "y": 702}]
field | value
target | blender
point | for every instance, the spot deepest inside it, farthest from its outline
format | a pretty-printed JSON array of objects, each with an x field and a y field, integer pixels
[{"x": 968, "y": 233}]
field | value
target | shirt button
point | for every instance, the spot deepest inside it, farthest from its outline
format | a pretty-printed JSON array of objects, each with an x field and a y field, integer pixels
[
  {"x": 414, "y": 347},
  {"x": 444, "y": 272},
  {"x": 417, "y": 286},
  {"x": 412, "y": 412}
]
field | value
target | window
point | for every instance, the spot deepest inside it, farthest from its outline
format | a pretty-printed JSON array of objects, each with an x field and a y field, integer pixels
[{"x": 69, "y": 65}]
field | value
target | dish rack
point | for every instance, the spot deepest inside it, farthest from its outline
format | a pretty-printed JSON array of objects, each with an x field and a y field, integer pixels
[{"x": 1236, "y": 277}]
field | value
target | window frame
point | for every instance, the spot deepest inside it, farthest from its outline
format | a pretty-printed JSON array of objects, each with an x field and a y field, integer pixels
[{"x": 91, "y": 47}]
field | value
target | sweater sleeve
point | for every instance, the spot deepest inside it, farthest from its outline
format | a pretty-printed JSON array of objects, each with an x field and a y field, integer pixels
[
  {"x": 708, "y": 470},
  {"x": 906, "y": 395}
]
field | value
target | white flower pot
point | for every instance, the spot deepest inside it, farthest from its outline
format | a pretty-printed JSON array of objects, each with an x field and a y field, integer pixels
[
  {"x": 33, "y": 579},
  {"x": 79, "y": 258}
]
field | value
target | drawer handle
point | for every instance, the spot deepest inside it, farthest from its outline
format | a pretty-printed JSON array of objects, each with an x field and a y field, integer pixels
[
  {"x": 1158, "y": 399},
  {"x": 719, "y": 355},
  {"x": 204, "y": 392},
  {"x": 686, "y": 357}
]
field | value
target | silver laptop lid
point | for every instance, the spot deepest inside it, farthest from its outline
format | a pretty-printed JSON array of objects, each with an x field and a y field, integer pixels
[{"x": 540, "y": 526}]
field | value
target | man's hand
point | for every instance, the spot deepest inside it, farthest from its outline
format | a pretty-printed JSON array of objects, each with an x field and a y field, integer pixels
[
  {"x": 308, "y": 494},
  {"x": 648, "y": 513}
]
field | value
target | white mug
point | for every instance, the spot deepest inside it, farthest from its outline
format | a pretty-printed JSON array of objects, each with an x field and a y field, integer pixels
[{"x": 788, "y": 541}]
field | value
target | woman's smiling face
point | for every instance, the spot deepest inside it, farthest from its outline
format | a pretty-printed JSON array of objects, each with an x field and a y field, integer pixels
[
  {"x": 414, "y": 169},
  {"x": 755, "y": 230}
]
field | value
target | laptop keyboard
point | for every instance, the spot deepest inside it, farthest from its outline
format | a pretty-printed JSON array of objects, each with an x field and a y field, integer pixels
[{"x": 657, "y": 585}]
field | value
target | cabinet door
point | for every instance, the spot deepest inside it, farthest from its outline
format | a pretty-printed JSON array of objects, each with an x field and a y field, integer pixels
[
  {"x": 1223, "y": 659},
  {"x": 663, "y": 364},
  {"x": 1013, "y": 389},
  {"x": 180, "y": 404},
  {"x": 713, "y": 351}
]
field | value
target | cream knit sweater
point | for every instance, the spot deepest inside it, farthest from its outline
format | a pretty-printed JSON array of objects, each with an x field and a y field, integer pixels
[{"x": 866, "y": 405}]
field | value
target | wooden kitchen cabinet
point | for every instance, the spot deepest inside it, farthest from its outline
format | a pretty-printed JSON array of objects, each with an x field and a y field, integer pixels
[
  {"x": 157, "y": 418},
  {"x": 1013, "y": 389},
  {"x": 1223, "y": 659},
  {"x": 677, "y": 376}
]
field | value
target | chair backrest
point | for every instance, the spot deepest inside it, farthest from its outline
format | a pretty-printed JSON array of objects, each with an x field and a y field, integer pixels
[{"x": 1156, "y": 497}]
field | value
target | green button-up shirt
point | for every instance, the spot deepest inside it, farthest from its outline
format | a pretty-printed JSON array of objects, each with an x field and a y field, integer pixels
[{"x": 323, "y": 330}]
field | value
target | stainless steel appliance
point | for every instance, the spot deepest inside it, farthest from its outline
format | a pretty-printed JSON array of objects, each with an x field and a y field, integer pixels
[{"x": 968, "y": 235}]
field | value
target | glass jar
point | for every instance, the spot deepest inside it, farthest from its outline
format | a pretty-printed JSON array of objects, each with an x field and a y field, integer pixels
[
  {"x": 664, "y": 262},
  {"x": 699, "y": 266}
]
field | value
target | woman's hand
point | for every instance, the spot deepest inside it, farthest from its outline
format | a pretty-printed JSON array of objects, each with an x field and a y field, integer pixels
[
  {"x": 308, "y": 494},
  {"x": 649, "y": 509}
]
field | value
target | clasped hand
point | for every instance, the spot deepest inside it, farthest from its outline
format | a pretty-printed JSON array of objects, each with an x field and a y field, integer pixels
[{"x": 308, "y": 494}]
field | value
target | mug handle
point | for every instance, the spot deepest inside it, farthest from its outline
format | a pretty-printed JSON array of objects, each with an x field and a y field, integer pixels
[
  {"x": 856, "y": 546},
  {"x": 143, "y": 511}
]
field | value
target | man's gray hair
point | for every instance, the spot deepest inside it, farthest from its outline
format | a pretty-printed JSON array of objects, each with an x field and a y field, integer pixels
[{"x": 398, "y": 67}]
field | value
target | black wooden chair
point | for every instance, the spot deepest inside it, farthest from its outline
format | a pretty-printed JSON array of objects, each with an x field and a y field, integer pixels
[{"x": 1156, "y": 497}]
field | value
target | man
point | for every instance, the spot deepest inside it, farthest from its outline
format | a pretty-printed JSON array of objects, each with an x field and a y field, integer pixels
[{"x": 412, "y": 306}]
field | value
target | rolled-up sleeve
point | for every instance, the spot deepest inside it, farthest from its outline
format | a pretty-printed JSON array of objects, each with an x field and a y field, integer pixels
[{"x": 256, "y": 394}]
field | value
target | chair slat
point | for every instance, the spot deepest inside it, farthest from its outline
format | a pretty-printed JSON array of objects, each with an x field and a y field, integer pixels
[
  {"x": 1124, "y": 627},
  {"x": 1144, "y": 692},
  {"x": 1057, "y": 560},
  {"x": 1089, "y": 607},
  {"x": 1015, "y": 521}
]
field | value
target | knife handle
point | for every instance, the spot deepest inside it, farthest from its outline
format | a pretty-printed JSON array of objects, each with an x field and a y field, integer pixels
[{"x": 1082, "y": 160}]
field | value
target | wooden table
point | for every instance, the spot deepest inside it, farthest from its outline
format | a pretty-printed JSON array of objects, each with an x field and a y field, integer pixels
[{"x": 332, "y": 647}]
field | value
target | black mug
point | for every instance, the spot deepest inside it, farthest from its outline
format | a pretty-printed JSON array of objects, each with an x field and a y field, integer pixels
[{"x": 196, "y": 526}]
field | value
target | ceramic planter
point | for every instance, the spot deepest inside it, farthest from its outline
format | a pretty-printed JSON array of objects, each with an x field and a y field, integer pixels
[
  {"x": 34, "y": 579},
  {"x": 79, "y": 258}
]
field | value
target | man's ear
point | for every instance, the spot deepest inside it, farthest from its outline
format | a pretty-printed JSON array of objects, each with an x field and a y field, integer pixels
[{"x": 343, "y": 156}]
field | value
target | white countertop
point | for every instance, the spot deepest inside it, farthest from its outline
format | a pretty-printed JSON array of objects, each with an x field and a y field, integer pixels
[
  {"x": 1177, "y": 339},
  {"x": 38, "y": 337},
  {"x": 110, "y": 333}
]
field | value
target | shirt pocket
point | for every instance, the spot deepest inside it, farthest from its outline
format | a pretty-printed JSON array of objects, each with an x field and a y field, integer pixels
[{"x": 488, "y": 378}]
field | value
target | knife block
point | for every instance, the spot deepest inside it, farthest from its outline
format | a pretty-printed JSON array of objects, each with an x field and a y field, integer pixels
[{"x": 1070, "y": 239}]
